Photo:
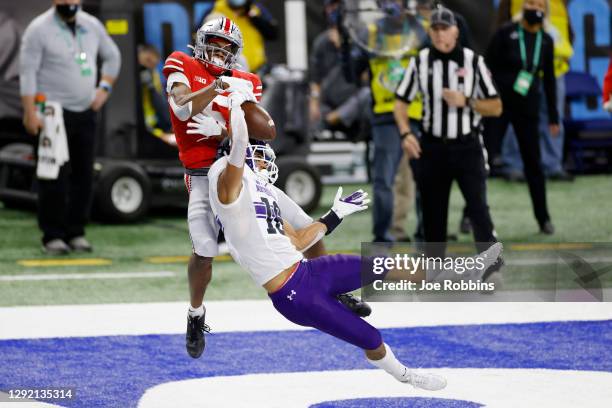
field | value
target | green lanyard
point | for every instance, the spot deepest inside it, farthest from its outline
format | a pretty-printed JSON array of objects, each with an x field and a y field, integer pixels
[
  {"x": 536, "y": 51},
  {"x": 80, "y": 55}
]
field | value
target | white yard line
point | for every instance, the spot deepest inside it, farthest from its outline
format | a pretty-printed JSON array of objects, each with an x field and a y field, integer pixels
[
  {"x": 86, "y": 276},
  {"x": 259, "y": 315}
]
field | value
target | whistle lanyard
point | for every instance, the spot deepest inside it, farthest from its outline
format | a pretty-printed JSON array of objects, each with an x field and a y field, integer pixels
[
  {"x": 536, "y": 51},
  {"x": 80, "y": 55}
]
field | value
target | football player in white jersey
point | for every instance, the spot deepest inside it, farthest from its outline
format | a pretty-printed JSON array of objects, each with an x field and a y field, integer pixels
[{"x": 304, "y": 291}]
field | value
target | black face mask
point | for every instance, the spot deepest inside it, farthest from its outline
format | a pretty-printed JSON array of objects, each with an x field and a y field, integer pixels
[
  {"x": 67, "y": 10},
  {"x": 533, "y": 17}
]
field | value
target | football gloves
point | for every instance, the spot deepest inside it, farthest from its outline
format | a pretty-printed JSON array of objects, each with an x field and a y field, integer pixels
[
  {"x": 240, "y": 96},
  {"x": 343, "y": 207},
  {"x": 204, "y": 125},
  {"x": 355, "y": 202}
]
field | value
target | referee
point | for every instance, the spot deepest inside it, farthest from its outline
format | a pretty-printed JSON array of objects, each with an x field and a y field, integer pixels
[{"x": 457, "y": 90}]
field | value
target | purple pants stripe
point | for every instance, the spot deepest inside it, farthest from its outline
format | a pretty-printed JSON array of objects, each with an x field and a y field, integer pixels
[{"x": 309, "y": 299}]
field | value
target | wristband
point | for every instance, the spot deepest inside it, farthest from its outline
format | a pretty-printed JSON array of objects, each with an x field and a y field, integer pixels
[
  {"x": 331, "y": 221},
  {"x": 405, "y": 135},
  {"x": 105, "y": 86}
]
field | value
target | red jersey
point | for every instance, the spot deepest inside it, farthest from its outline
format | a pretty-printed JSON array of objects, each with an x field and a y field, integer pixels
[{"x": 196, "y": 154}]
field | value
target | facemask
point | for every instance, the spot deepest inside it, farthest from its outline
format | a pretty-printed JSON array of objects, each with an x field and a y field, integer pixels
[
  {"x": 533, "y": 17},
  {"x": 67, "y": 10},
  {"x": 333, "y": 17}
]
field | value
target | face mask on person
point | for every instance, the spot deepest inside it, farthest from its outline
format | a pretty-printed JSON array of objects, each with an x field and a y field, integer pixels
[
  {"x": 67, "y": 10},
  {"x": 333, "y": 17},
  {"x": 533, "y": 17}
]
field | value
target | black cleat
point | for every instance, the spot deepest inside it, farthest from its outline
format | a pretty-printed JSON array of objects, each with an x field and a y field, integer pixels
[
  {"x": 195, "y": 335},
  {"x": 547, "y": 228},
  {"x": 355, "y": 305}
]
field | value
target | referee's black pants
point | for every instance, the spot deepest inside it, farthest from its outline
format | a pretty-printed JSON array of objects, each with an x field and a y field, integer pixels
[
  {"x": 64, "y": 203},
  {"x": 527, "y": 133},
  {"x": 442, "y": 162}
]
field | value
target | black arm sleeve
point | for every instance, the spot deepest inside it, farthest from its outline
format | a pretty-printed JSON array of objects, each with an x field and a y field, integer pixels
[{"x": 550, "y": 83}]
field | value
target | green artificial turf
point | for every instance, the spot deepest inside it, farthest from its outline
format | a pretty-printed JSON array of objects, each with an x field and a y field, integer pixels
[{"x": 581, "y": 212}]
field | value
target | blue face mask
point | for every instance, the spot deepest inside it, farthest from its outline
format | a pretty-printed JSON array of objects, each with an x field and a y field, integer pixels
[
  {"x": 236, "y": 3},
  {"x": 333, "y": 17}
]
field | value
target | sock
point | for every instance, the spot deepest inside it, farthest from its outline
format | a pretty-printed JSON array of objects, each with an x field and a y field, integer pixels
[
  {"x": 391, "y": 364},
  {"x": 197, "y": 312}
]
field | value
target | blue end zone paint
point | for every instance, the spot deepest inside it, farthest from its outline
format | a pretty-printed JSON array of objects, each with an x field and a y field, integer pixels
[
  {"x": 397, "y": 403},
  {"x": 115, "y": 371}
]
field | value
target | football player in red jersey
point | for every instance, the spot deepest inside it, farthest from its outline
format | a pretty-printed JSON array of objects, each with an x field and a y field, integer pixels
[
  {"x": 200, "y": 122},
  {"x": 218, "y": 44}
]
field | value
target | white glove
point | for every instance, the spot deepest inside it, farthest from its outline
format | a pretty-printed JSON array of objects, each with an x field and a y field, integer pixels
[
  {"x": 355, "y": 202},
  {"x": 204, "y": 125},
  {"x": 240, "y": 96},
  {"x": 608, "y": 105},
  {"x": 237, "y": 83}
]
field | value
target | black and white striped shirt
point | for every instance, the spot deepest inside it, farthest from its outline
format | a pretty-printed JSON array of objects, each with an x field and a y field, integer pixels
[{"x": 429, "y": 73}]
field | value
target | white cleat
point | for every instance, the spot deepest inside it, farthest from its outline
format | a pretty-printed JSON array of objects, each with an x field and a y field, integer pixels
[{"x": 424, "y": 381}]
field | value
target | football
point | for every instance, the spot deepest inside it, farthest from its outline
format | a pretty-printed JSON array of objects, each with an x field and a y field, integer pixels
[{"x": 259, "y": 122}]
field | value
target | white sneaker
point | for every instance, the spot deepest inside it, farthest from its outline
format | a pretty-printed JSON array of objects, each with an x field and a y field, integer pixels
[
  {"x": 56, "y": 247},
  {"x": 80, "y": 244},
  {"x": 489, "y": 258},
  {"x": 424, "y": 381}
]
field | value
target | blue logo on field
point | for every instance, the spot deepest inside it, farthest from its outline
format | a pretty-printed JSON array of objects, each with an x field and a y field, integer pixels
[{"x": 115, "y": 371}]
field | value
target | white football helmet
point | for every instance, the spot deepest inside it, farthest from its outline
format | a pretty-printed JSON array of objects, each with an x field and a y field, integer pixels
[
  {"x": 260, "y": 154},
  {"x": 209, "y": 54}
]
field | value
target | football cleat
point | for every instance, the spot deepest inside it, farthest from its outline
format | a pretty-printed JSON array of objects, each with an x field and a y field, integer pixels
[
  {"x": 195, "y": 335},
  {"x": 356, "y": 305},
  {"x": 424, "y": 381}
]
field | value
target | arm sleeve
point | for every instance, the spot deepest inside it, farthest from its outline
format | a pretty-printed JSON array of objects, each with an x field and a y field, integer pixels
[
  {"x": 485, "y": 88},
  {"x": 550, "y": 83},
  {"x": 109, "y": 52},
  {"x": 409, "y": 85},
  {"x": 240, "y": 137},
  {"x": 30, "y": 57},
  {"x": 607, "y": 83}
]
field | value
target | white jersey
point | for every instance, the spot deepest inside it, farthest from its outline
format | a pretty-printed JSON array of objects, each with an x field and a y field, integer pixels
[{"x": 253, "y": 226}]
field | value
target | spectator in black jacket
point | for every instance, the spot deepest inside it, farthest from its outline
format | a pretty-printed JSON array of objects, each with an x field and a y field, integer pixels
[
  {"x": 335, "y": 103},
  {"x": 519, "y": 54}
]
